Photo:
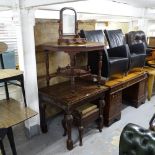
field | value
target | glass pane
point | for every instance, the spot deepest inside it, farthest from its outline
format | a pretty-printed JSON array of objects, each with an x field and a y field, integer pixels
[{"x": 68, "y": 22}]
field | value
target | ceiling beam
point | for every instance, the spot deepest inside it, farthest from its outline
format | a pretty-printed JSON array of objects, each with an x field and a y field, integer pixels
[
  {"x": 6, "y": 3},
  {"x": 37, "y": 3}
]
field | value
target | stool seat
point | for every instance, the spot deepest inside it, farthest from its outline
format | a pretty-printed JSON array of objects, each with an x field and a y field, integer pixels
[
  {"x": 8, "y": 73},
  {"x": 86, "y": 108}
]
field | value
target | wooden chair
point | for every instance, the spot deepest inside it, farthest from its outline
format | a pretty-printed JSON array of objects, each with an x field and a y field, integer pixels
[
  {"x": 87, "y": 113},
  {"x": 7, "y": 75}
]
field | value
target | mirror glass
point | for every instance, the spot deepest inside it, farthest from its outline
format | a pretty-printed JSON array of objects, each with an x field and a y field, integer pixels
[{"x": 68, "y": 26}]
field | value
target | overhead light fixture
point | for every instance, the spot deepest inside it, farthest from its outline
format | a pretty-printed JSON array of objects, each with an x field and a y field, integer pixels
[{"x": 119, "y": 2}]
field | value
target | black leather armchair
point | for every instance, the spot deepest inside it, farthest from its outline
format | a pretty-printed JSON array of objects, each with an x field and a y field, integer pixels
[
  {"x": 114, "y": 61},
  {"x": 136, "y": 37},
  {"x": 136, "y": 140},
  {"x": 136, "y": 52}
]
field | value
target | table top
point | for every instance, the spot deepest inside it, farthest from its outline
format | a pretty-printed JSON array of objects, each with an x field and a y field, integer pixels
[
  {"x": 54, "y": 46},
  {"x": 62, "y": 92},
  {"x": 119, "y": 80},
  {"x": 13, "y": 113}
]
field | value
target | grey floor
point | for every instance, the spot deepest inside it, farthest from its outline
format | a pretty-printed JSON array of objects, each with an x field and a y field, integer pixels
[{"x": 95, "y": 143}]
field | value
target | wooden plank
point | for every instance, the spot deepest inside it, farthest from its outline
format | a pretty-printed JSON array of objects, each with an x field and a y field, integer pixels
[{"x": 13, "y": 113}]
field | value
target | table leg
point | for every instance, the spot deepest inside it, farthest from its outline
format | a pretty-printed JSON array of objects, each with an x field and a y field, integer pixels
[
  {"x": 43, "y": 123},
  {"x": 69, "y": 121},
  {"x": 101, "y": 106},
  {"x": 2, "y": 148},
  {"x": 64, "y": 124},
  {"x": 72, "y": 64},
  {"x": 47, "y": 67},
  {"x": 100, "y": 67},
  {"x": 11, "y": 140}
]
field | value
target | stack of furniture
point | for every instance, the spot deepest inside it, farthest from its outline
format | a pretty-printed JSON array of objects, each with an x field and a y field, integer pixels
[
  {"x": 82, "y": 100},
  {"x": 11, "y": 112}
]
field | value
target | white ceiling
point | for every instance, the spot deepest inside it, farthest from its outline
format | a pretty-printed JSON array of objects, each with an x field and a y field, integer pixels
[{"x": 138, "y": 3}]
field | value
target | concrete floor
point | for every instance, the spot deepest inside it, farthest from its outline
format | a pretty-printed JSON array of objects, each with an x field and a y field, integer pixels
[{"x": 95, "y": 143}]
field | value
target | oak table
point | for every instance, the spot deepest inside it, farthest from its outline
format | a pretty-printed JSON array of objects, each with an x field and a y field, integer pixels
[
  {"x": 72, "y": 70},
  {"x": 11, "y": 114},
  {"x": 61, "y": 96}
]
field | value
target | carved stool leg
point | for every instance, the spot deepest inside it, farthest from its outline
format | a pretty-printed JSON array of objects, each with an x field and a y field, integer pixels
[
  {"x": 69, "y": 121},
  {"x": 64, "y": 124},
  {"x": 81, "y": 128}
]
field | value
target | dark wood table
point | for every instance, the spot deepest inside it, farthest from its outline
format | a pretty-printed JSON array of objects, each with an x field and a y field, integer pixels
[
  {"x": 61, "y": 96},
  {"x": 131, "y": 88},
  {"x": 71, "y": 71}
]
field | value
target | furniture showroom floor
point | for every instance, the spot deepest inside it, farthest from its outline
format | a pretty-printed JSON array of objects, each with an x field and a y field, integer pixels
[{"x": 94, "y": 143}]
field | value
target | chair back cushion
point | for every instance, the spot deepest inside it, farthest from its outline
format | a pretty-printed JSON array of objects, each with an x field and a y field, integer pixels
[
  {"x": 93, "y": 35},
  {"x": 115, "y": 38},
  {"x": 136, "y": 140},
  {"x": 135, "y": 37}
]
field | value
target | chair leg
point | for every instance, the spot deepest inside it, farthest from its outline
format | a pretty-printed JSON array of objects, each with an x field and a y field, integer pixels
[
  {"x": 2, "y": 148},
  {"x": 23, "y": 89},
  {"x": 80, "y": 134},
  {"x": 6, "y": 90},
  {"x": 11, "y": 140}
]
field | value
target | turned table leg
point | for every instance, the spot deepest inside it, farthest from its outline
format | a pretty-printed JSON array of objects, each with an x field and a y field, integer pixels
[
  {"x": 47, "y": 67},
  {"x": 101, "y": 106},
  {"x": 72, "y": 65},
  {"x": 69, "y": 121},
  {"x": 100, "y": 67}
]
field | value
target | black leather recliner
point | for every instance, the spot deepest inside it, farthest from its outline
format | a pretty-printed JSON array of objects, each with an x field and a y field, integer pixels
[
  {"x": 136, "y": 140},
  {"x": 137, "y": 52},
  {"x": 114, "y": 60}
]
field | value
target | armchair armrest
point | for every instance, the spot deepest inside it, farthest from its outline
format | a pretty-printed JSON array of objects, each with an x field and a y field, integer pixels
[
  {"x": 138, "y": 48},
  {"x": 152, "y": 47},
  {"x": 120, "y": 51}
]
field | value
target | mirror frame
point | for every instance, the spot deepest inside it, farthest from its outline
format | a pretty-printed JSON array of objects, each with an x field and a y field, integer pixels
[{"x": 62, "y": 22}]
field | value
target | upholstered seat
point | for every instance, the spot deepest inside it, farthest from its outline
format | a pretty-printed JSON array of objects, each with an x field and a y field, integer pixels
[
  {"x": 114, "y": 60},
  {"x": 136, "y": 140},
  {"x": 136, "y": 52}
]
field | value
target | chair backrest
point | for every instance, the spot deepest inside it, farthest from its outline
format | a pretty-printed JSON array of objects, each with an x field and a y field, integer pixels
[
  {"x": 135, "y": 37},
  {"x": 3, "y": 48},
  {"x": 136, "y": 140},
  {"x": 115, "y": 38},
  {"x": 93, "y": 35}
]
